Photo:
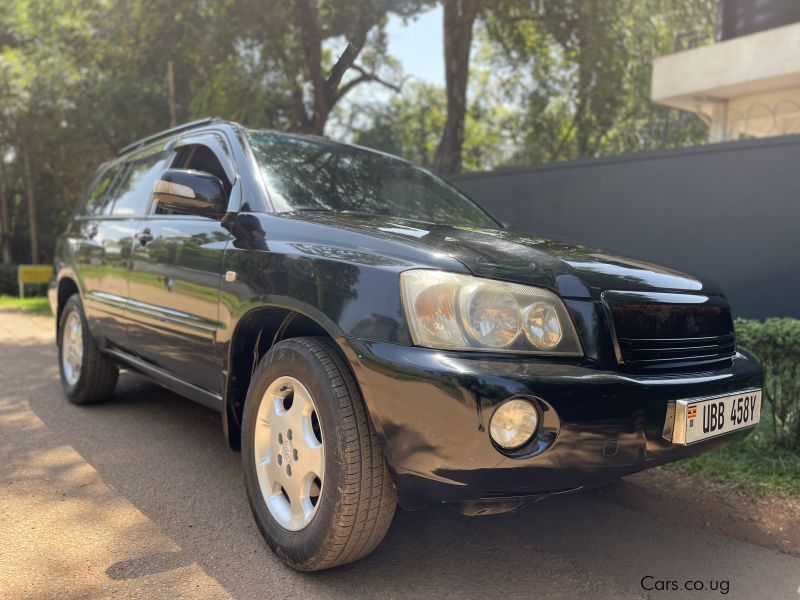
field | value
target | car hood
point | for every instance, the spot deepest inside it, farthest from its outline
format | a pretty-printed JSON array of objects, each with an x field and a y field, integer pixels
[{"x": 571, "y": 270}]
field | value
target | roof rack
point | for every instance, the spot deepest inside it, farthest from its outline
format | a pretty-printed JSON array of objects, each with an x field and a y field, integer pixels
[{"x": 167, "y": 132}]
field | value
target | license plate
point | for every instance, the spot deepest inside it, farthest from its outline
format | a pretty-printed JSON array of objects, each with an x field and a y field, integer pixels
[{"x": 690, "y": 421}]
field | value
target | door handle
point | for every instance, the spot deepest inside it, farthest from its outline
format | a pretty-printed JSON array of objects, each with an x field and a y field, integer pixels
[{"x": 144, "y": 236}]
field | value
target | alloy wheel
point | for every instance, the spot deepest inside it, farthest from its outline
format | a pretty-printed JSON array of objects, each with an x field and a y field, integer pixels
[
  {"x": 72, "y": 348},
  {"x": 289, "y": 453}
]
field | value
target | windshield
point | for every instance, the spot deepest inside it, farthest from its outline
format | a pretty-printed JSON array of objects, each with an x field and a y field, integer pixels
[{"x": 309, "y": 174}]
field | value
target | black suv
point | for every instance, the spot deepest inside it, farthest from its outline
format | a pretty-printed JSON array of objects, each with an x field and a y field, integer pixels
[{"x": 370, "y": 335}]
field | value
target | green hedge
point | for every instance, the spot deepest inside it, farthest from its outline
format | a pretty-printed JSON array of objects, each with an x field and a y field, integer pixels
[
  {"x": 776, "y": 343},
  {"x": 8, "y": 280}
]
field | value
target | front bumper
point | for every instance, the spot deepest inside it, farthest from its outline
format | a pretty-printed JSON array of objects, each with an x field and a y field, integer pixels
[{"x": 432, "y": 410}]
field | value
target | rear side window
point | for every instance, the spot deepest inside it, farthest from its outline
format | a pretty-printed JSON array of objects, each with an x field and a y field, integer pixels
[
  {"x": 133, "y": 193},
  {"x": 99, "y": 197}
]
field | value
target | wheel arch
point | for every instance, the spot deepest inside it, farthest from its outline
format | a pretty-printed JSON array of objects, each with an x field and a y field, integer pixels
[
  {"x": 67, "y": 287},
  {"x": 254, "y": 334}
]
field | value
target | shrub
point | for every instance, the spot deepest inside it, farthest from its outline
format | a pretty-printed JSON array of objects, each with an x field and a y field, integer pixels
[
  {"x": 776, "y": 344},
  {"x": 8, "y": 280}
]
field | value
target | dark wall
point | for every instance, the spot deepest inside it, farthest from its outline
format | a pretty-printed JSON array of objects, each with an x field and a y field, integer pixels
[
  {"x": 728, "y": 212},
  {"x": 743, "y": 17}
]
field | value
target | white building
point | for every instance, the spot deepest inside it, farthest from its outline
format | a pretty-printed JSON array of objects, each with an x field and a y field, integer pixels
[{"x": 747, "y": 86}]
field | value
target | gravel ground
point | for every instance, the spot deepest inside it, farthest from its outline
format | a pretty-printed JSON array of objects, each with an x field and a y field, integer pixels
[{"x": 140, "y": 497}]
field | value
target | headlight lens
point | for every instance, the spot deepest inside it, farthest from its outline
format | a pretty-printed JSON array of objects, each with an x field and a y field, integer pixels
[
  {"x": 513, "y": 423},
  {"x": 460, "y": 312},
  {"x": 542, "y": 325},
  {"x": 489, "y": 316}
]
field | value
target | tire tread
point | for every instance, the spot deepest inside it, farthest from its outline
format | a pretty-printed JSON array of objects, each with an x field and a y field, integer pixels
[{"x": 369, "y": 492}]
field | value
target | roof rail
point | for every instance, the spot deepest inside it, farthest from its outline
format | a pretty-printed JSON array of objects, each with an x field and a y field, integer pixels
[{"x": 167, "y": 132}]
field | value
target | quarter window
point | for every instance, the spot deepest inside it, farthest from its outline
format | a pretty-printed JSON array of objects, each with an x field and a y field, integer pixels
[
  {"x": 99, "y": 197},
  {"x": 136, "y": 187}
]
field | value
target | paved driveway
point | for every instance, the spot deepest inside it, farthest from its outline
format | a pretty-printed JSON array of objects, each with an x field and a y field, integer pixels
[{"x": 140, "y": 497}]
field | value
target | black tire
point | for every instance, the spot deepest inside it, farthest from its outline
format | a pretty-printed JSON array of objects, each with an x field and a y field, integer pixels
[
  {"x": 358, "y": 498},
  {"x": 98, "y": 376}
]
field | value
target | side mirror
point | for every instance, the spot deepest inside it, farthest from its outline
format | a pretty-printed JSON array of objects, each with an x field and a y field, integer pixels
[{"x": 189, "y": 192}]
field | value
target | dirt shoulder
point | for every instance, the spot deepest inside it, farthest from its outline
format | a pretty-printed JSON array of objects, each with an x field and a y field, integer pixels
[{"x": 766, "y": 520}]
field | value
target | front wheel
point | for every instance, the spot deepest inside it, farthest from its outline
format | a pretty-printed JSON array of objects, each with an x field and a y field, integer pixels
[{"x": 315, "y": 475}]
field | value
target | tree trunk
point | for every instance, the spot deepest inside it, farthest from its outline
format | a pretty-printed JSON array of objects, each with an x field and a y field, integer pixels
[
  {"x": 5, "y": 223},
  {"x": 308, "y": 23},
  {"x": 325, "y": 87},
  {"x": 173, "y": 119},
  {"x": 31, "y": 207},
  {"x": 459, "y": 17},
  {"x": 5, "y": 228}
]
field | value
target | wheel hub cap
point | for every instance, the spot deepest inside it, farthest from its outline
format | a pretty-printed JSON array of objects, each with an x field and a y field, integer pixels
[
  {"x": 72, "y": 348},
  {"x": 289, "y": 455}
]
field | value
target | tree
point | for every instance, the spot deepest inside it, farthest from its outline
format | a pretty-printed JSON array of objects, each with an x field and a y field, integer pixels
[
  {"x": 459, "y": 18},
  {"x": 326, "y": 83},
  {"x": 546, "y": 80},
  {"x": 411, "y": 125},
  {"x": 570, "y": 78},
  {"x": 301, "y": 58},
  {"x": 5, "y": 216},
  {"x": 78, "y": 79},
  {"x": 580, "y": 72}
]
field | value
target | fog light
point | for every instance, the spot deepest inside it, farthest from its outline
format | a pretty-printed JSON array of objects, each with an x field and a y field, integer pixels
[{"x": 514, "y": 423}]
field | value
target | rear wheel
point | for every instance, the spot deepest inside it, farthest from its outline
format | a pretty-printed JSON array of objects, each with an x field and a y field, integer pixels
[
  {"x": 86, "y": 375},
  {"x": 315, "y": 475}
]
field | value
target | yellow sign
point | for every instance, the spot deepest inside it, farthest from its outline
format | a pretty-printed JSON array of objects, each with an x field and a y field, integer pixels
[{"x": 32, "y": 274}]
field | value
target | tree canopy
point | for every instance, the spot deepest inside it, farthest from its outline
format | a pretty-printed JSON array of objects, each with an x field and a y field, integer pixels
[{"x": 526, "y": 81}]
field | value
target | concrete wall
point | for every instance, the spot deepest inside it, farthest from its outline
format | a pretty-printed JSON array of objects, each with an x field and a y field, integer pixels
[{"x": 728, "y": 212}]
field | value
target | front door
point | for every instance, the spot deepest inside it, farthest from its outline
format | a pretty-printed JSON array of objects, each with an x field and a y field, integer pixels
[{"x": 174, "y": 283}]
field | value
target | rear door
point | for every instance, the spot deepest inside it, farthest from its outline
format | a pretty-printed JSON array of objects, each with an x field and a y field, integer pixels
[
  {"x": 102, "y": 249},
  {"x": 173, "y": 312},
  {"x": 108, "y": 231}
]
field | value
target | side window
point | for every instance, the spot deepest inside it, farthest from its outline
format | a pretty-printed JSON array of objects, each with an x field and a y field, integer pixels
[
  {"x": 201, "y": 158},
  {"x": 198, "y": 158},
  {"x": 133, "y": 193},
  {"x": 99, "y": 198}
]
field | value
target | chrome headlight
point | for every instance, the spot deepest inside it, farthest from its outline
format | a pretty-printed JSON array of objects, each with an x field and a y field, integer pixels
[{"x": 460, "y": 312}]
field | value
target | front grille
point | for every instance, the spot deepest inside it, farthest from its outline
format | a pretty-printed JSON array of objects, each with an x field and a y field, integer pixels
[{"x": 665, "y": 329}]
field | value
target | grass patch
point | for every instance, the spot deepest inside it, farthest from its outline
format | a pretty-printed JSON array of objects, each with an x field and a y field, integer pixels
[
  {"x": 755, "y": 465},
  {"x": 768, "y": 460},
  {"x": 37, "y": 305}
]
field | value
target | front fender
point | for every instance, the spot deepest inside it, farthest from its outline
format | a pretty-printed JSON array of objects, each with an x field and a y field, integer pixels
[
  {"x": 349, "y": 285},
  {"x": 350, "y": 290}
]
